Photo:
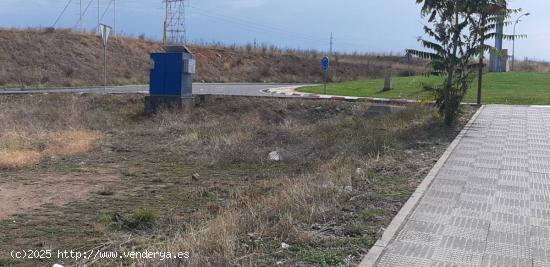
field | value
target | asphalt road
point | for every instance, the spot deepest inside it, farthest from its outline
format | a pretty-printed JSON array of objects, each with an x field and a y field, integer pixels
[{"x": 244, "y": 89}]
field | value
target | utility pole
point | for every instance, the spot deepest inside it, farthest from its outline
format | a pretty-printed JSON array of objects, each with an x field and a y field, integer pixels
[
  {"x": 98, "y": 15},
  {"x": 164, "y": 37},
  {"x": 80, "y": 21},
  {"x": 514, "y": 40},
  {"x": 114, "y": 18},
  {"x": 174, "y": 23},
  {"x": 331, "y": 44},
  {"x": 481, "y": 59}
]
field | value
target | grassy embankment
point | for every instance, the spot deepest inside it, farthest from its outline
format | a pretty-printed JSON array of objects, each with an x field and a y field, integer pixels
[
  {"x": 499, "y": 88},
  {"x": 36, "y": 58}
]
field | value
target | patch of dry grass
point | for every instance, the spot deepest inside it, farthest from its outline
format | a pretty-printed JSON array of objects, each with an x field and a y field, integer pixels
[
  {"x": 71, "y": 142},
  {"x": 527, "y": 65},
  {"x": 252, "y": 226},
  {"x": 258, "y": 216},
  {"x": 58, "y": 144},
  {"x": 32, "y": 129},
  {"x": 12, "y": 158}
]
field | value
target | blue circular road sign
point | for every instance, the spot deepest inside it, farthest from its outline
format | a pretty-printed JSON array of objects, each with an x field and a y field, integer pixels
[{"x": 325, "y": 63}]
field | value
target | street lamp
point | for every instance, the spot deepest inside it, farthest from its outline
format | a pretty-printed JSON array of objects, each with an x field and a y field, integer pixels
[{"x": 514, "y": 40}]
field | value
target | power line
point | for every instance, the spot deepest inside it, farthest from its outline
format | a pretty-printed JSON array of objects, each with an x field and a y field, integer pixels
[
  {"x": 255, "y": 25},
  {"x": 259, "y": 28},
  {"x": 80, "y": 15},
  {"x": 61, "y": 14},
  {"x": 80, "y": 21},
  {"x": 107, "y": 9},
  {"x": 175, "y": 23},
  {"x": 98, "y": 18}
]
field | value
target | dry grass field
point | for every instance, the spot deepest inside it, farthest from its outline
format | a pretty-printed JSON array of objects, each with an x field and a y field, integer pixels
[
  {"x": 42, "y": 58},
  {"x": 94, "y": 172}
]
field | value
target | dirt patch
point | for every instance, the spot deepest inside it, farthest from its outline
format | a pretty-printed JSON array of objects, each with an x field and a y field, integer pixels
[{"x": 19, "y": 198}]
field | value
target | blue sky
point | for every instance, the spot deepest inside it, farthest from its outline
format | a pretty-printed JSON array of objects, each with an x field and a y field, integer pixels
[{"x": 358, "y": 25}]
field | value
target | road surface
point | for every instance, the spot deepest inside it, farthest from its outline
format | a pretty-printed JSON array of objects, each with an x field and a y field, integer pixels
[{"x": 243, "y": 89}]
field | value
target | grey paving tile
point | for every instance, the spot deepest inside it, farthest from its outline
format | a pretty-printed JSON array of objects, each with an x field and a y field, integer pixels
[
  {"x": 511, "y": 251},
  {"x": 503, "y": 227},
  {"x": 406, "y": 254},
  {"x": 540, "y": 237},
  {"x": 422, "y": 232},
  {"x": 431, "y": 213},
  {"x": 399, "y": 260},
  {"x": 492, "y": 260}
]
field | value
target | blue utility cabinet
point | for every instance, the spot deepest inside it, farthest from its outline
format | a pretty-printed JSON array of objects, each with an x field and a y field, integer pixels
[{"x": 172, "y": 74}]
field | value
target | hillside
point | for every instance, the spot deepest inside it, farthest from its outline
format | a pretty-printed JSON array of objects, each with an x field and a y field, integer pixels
[{"x": 36, "y": 58}]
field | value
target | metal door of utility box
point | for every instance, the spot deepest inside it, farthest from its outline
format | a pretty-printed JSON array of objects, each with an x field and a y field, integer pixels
[
  {"x": 189, "y": 66},
  {"x": 172, "y": 74}
]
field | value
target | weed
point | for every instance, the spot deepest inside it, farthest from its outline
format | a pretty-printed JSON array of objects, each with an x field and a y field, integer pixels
[
  {"x": 105, "y": 192},
  {"x": 324, "y": 257},
  {"x": 144, "y": 218}
]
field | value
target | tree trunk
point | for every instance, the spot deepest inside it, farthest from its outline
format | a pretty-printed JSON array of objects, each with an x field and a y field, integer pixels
[
  {"x": 450, "y": 109},
  {"x": 481, "y": 58}
]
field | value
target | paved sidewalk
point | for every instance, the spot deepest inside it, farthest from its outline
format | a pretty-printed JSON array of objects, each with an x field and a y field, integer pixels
[{"x": 488, "y": 205}]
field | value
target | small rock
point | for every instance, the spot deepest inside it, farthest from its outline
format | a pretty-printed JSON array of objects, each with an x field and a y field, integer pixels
[
  {"x": 195, "y": 176},
  {"x": 348, "y": 260},
  {"x": 285, "y": 245},
  {"x": 275, "y": 156},
  {"x": 328, "y": 185},
  {"x": 57, "y": 265},
  {"x": 348, "y": 188},
  {"x": 280, "y": 263}
]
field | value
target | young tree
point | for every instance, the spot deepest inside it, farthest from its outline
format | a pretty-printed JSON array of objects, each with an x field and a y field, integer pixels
[
  {"x": 450, "y": 52},
  {"x": 458, "y": 31}
]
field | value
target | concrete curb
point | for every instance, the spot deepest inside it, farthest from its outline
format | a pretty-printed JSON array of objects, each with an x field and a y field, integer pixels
[
  {"x": 31, "y": 88},
  {"x": 372, "y": 258},
  {"x": 291, "y": 91}
]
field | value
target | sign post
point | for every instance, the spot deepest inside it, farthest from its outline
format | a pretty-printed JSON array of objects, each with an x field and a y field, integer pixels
[
  {"x": 105, "y": 31},
  {"x": 325, "y": 63}
]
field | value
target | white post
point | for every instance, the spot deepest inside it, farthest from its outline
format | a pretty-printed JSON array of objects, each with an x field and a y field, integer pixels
[{"x": 105, "y": 67}]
